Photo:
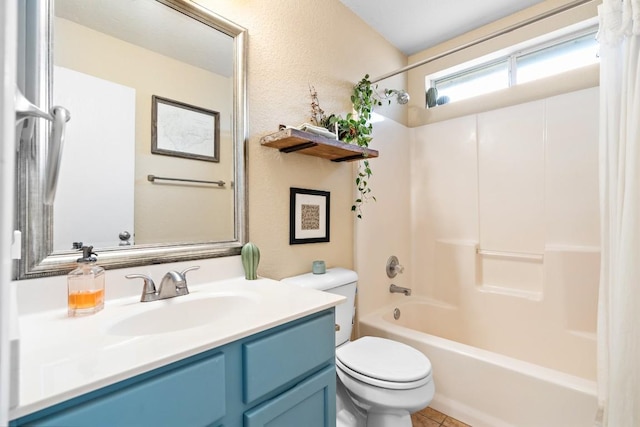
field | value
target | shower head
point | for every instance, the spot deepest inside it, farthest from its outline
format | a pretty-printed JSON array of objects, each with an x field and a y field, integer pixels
[{"x": 402, "y": 97}]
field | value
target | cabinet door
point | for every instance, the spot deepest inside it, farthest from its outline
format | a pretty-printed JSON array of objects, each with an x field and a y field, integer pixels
[
  {"x": 312, "y": 403},
  {"x": 300, "y": 350},
  {"x": 193, "y": 395}
]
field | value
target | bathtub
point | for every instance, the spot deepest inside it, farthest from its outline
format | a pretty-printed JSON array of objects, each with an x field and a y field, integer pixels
[{"x": 484, "y": 388}]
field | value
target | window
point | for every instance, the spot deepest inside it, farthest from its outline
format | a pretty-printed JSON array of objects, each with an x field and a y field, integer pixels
[
  {"x": 475, "y": 81},
  {"x": 558, "y": 58},
  {"x": 560, "y": 55}
]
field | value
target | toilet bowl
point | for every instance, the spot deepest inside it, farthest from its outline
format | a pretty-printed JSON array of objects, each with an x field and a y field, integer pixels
[
  {"x": 380, "y": 382},
  {"x": 386, "y": 380}
]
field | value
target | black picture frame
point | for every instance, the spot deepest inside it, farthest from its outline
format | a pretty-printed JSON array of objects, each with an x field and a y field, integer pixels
[
  {"x": 182, "y": 130},
  {"x": 309, "y": 216}
]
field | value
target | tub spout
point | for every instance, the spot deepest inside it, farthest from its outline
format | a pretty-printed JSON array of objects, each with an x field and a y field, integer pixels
[{"x": 399, "y": 290}]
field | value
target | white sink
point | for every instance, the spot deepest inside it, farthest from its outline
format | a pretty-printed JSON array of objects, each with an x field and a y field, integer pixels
[{"x": 184, "y": 312}]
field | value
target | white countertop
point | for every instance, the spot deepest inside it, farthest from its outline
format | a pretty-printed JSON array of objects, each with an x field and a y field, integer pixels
[{"x": 62, "y": 357}]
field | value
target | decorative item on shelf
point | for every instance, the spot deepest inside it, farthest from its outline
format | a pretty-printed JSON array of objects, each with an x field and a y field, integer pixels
[
  {"x": 307, "y": 127},
  {"x": 354, "y": 133},
  {"x": 308, "y": 216},
  {"x": 432, "y": 97},
  {"x": 317, "y": 114},
  {"x": 444, "y": 99},
  {"x": 250, "y": 255},
  {"x": 356, "y": 127},
  {"x": 433, "y": 100}
]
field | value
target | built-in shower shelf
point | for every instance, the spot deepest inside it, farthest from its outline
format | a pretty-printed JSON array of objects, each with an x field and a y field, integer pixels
[{"x": 293, "y": 140}]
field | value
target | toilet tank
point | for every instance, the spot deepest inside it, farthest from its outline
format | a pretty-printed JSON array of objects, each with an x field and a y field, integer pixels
[{"x": 336, "y": 281}]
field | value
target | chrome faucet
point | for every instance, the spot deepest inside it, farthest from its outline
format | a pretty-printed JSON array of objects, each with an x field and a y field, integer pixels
[
  {"x": 173, "y": 284},
  {"x": 399, "y": 290}
]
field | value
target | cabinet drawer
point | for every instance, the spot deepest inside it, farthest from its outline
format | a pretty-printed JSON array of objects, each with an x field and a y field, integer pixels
[
  {"x": 311, "y": 403},
  {"x": 193, "y": 395},
  {"x": 275, "y": 360}
]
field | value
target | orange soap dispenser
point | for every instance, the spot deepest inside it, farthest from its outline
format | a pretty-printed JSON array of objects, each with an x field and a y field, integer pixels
[{"x": 86, "y": 285}]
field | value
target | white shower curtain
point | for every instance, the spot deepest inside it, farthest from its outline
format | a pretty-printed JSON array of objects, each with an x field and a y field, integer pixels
[{"x": 619, "y": 302}]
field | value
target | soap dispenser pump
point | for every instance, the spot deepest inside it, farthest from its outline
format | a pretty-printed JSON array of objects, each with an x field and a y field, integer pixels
[{"x": 86, "y": 285}]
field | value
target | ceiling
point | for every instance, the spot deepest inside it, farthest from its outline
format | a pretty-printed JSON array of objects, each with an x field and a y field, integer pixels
[
  {"x": 153, "y": 26},
  {"x": 410, "y": 25},
  {"x": 415, "y": 25}
]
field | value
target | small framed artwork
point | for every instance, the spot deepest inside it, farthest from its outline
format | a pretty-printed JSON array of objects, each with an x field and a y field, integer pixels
[
  {"x": 183, "y": 130},
  {"x": 308, "y": 216}
]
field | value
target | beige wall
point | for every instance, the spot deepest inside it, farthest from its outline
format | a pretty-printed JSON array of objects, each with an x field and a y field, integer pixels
[
  {"x": 82, "y": 49},
  {"x": 294, "y": 43}
]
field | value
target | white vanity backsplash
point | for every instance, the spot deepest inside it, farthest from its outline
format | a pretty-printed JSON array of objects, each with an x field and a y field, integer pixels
[{"x": 50, "y": 293}]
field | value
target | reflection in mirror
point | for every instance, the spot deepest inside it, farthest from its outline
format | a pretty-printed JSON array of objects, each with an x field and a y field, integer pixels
[{"x": 155, "y": 88}]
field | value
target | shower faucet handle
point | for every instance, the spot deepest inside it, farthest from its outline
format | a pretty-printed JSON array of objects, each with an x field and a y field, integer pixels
[{"x": 393, "y": 267}]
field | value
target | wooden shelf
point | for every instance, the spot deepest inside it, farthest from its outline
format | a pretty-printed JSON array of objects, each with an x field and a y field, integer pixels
[{"x": 294, "y": 140}]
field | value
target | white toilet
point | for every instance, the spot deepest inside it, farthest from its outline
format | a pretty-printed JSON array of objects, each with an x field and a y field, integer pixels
[{"x": 380, "y": 382}]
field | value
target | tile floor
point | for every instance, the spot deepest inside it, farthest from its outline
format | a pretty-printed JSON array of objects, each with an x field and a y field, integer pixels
[{"x": 431, "y": 418}]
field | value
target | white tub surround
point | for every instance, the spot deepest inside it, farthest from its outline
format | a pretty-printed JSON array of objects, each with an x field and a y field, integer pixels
[
  {"x": 502, "y": 244},
  {"x": 64, "y": 357}
]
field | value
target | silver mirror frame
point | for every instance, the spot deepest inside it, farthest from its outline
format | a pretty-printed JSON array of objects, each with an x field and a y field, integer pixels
[{"x": 35, "y": 219}]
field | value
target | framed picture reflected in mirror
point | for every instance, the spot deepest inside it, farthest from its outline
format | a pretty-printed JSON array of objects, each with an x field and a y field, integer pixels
[{"x": 182, "y": 130}]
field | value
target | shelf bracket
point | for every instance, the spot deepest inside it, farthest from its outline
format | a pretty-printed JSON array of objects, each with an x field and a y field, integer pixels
[
  {"x": 349, "y": 158},
  {"x": 298, "y": 147}
]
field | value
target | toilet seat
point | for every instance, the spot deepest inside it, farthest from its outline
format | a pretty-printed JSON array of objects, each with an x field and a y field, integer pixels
[{"x": 384, "y": 363}]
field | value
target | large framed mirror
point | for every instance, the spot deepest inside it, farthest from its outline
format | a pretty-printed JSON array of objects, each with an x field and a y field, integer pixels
[{"x": 153, "y": 163}]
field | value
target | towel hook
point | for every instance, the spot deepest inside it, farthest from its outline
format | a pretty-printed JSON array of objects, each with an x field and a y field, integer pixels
[{"x": 59, "y": 116}]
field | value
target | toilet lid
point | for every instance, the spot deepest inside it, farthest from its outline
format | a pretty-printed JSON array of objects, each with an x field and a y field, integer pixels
[{"x": 385, "y": 360}]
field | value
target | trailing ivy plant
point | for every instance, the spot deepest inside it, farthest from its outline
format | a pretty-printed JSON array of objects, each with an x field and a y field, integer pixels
[{"x": 355, "y": 128}]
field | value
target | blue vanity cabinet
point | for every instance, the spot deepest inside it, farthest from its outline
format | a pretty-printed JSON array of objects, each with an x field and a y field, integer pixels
[
  {"x": 281, "y": 377},
  {"x": 312, "y": 403},
  {"x": 277, "y": 362},
  {"x": 188, "y": 395}
]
